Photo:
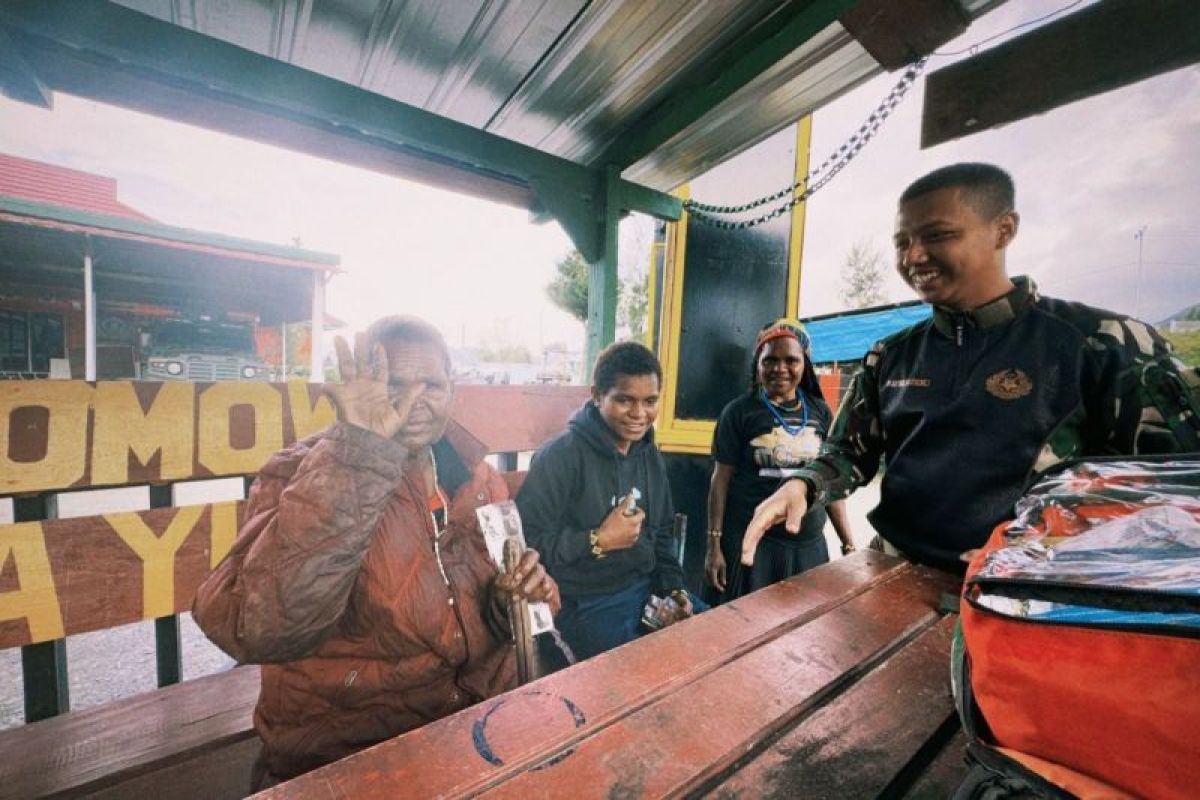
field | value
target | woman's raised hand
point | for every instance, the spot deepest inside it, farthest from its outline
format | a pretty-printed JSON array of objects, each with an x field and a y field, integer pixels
[{"x": 362, "y": 398}]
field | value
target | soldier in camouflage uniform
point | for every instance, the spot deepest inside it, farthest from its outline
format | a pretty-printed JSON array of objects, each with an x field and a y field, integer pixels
[{"x": 999, "y": 385}]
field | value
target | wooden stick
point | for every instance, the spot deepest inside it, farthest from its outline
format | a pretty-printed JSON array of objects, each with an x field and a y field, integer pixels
[{"x": 518, "y": 614}]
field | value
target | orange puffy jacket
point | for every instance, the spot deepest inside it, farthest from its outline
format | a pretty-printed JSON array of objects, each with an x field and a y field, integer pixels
[{"x": 333, "y": 585}]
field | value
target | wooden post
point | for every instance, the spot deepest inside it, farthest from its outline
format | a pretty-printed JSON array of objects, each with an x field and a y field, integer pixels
[
  {"x": 43, "y": 665},
  {"x": 167, "y": 646},
  {"x": 89, "y": 313},
  {"x": 317, "y": 373}
]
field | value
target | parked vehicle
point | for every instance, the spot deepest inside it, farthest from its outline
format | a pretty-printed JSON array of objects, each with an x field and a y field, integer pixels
[{"x": 186, "y": 350}]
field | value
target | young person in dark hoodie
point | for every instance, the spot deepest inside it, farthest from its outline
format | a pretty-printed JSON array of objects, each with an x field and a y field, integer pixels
[{"x": 597, "y": 506}]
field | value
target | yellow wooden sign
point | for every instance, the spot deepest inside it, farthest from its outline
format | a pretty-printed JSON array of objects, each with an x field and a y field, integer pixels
[
  {"x": 58, "y": 435},
  {"x": 70, "y": 576}
]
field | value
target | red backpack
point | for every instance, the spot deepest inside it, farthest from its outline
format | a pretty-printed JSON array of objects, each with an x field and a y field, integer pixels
[{"x": 1081, "y": 628}]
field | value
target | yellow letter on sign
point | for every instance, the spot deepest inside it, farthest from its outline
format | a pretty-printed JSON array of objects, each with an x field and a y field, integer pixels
[
  {"x": 224, "y": 528},
  {"x": 215, "y": 445},
  {"x": 36, "y": 601},
  {"x": 307, "y": 419},
  {"x": 121, "y": 426},
  {"x": 61, "y": 447},
  {"x": 157, "y": 554}
]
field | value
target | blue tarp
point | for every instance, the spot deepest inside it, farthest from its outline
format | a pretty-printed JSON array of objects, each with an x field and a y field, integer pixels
[{"x": 847, "y": 338}]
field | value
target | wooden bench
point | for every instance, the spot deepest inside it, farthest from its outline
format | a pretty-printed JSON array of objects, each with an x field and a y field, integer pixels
[
  {"x": 60, "y": 577},
  {"x": 832, "y": 684},
  {"x": 196, "y": 734}
]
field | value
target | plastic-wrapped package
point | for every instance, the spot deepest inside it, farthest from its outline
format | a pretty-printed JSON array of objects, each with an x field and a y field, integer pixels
[
  {"x": 1102, "y": 543},
  {"x": 1081, "y": 632}
]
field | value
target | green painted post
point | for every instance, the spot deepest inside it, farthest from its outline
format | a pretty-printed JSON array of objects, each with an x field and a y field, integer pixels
[
  {"x": 602, "y": 275},
  {"x": 43, "y": 665},
  {"x": 167, "y": 647}
]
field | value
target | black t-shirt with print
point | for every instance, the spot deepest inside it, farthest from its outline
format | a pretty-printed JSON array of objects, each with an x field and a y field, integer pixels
[{"x": 763, "y": 451}]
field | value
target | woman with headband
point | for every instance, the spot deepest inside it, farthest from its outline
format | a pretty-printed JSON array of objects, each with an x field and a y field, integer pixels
[{"x": 763, "y": 436}]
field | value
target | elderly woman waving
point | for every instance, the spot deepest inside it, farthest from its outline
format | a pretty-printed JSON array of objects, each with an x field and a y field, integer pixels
[{"x": 763, "y": 436}]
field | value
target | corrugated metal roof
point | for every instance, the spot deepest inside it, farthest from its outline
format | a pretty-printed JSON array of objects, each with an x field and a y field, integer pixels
[
  {"x": 848, "y": 337},
  {"x": 573, "y": 78},
  {"x": 69, "y": 188}
]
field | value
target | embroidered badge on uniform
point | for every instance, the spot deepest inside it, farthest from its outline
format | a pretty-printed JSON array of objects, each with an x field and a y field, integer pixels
[{"x": 1009, "y": 384}]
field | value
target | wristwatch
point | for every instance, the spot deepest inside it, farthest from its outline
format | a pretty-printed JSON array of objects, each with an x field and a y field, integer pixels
[{"x": 594, "y": 541}]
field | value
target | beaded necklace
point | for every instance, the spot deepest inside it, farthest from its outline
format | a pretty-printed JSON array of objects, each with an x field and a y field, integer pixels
[
  {"x": 791, "y": 429},
  {"x": 438, "y": 530}
]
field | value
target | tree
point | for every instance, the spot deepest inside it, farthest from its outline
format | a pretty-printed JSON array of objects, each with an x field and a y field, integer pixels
[
  {"x": 569, "y": 289},
  {"x": 633, "y": 309},
  {"x": 633, "y": 305},
  {"x": 862, "y": 277}
]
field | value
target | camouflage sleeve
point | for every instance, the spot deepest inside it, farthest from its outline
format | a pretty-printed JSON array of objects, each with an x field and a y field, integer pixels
[
  {"x": 1149, "y": 400},
  {"x": 1167, "y": 395},
  {"x": 851, "y": 454}
]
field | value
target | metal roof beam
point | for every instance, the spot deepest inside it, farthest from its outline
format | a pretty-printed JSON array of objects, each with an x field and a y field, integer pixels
[
  {"x": 756, "y": 52},
  {"x": 1094, "y": 50},
  {"x": 103, "y": 51},
  {"x": 17, "y": 78}
]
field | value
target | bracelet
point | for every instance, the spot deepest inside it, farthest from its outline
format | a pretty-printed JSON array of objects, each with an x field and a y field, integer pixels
[
  {"x": 714, "y": 534},
  {"x": 681, "y": 596},
  {"x": 848, "y": 547},
  {"x": 594, "y": 540}
]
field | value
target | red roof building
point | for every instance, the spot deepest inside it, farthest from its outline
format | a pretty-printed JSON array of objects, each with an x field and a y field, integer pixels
[
  {"x": 98, "y": 275},
  {"x": 60, "y": 186}
]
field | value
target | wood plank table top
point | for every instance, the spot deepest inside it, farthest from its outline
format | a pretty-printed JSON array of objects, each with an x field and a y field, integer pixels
[{"x": 834, "y": 683}]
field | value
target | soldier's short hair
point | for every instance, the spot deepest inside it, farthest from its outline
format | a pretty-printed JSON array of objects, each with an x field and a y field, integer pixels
[
  {"x": 985, "y": 187},
  {"x": 402, "y": 329}
]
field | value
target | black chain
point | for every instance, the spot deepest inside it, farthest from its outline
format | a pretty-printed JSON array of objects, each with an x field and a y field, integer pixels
[{"x": 817, "y": 178}]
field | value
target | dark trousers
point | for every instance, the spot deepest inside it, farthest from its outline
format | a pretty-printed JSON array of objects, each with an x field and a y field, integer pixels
[{"x": 594, "y": 623}]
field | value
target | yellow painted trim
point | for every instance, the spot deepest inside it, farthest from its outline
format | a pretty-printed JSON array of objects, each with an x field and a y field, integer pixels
[
  {"x": 652, "y": 293},
  {"x": 690, "y": 436},
  {"x": 672, "y": 300},
  {"x": 693, "y": 436},
  {"x": 796, "y": 237},
  {"x": 687, "y": 445}
]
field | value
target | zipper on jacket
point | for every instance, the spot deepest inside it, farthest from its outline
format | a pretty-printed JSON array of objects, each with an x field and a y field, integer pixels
[{"x": 958, "y": 331}]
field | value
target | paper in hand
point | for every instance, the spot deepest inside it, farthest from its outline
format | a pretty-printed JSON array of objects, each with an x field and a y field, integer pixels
[{"x": 501, "y": 521}]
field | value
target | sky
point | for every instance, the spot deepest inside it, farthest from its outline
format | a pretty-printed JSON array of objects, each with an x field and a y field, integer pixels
[{"x": 1088, "y": 176}]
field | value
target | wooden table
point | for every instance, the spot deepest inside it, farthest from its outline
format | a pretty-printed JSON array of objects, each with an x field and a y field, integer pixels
[{"x": 834, "y": 684}]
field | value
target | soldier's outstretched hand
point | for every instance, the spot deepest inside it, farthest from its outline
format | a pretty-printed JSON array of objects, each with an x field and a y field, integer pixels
[
  {"x": 362, "y": 397},
  {"x": 788, "y": 505}
]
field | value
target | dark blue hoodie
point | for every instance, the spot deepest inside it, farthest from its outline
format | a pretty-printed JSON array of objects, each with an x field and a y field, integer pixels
[{"x": 574, "y": 482}]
